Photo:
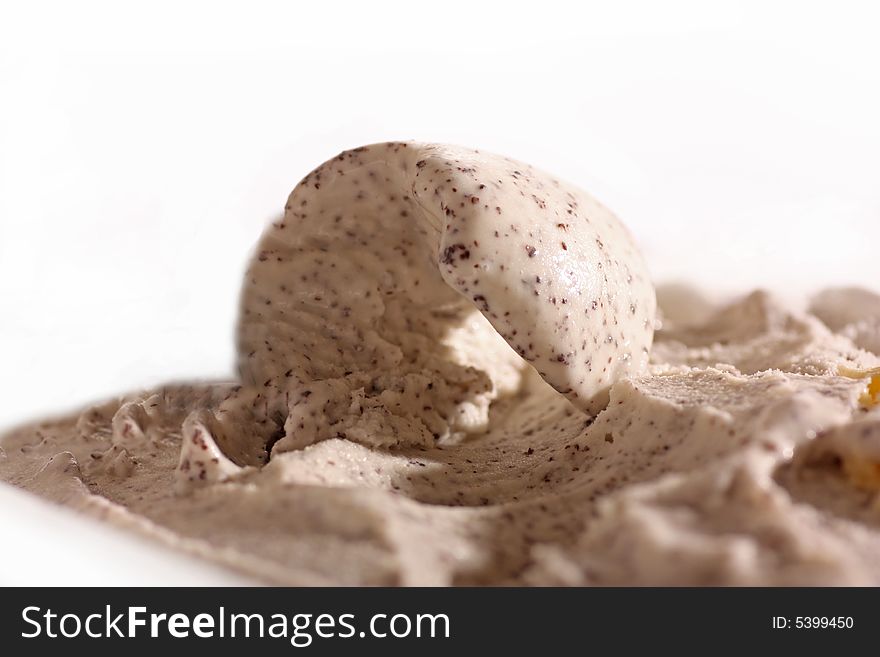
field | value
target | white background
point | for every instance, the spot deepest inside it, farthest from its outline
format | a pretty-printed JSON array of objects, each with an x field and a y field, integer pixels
[{"x": 142, "y": 150}]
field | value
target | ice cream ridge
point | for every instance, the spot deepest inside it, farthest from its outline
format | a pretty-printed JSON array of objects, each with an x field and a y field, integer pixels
[
  {"x": 452, "y": 369},
  {"x": 408, "y": 285},
  {"x": 386, "y": 250}
]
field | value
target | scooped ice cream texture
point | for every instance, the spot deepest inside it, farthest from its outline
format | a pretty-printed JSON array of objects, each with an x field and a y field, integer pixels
[
  {"x": 375, "y": 309},
  {"x": 445, "y": 379}
]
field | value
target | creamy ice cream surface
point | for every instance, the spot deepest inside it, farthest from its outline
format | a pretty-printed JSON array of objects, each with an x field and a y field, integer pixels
[{"x": 452, "y": 371}]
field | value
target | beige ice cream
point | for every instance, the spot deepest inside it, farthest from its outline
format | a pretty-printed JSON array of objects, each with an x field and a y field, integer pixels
[{"x": 447, "y": 377}]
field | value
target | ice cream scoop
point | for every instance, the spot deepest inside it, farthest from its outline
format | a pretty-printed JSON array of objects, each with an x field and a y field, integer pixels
[{"x": 387, "y": 250}]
